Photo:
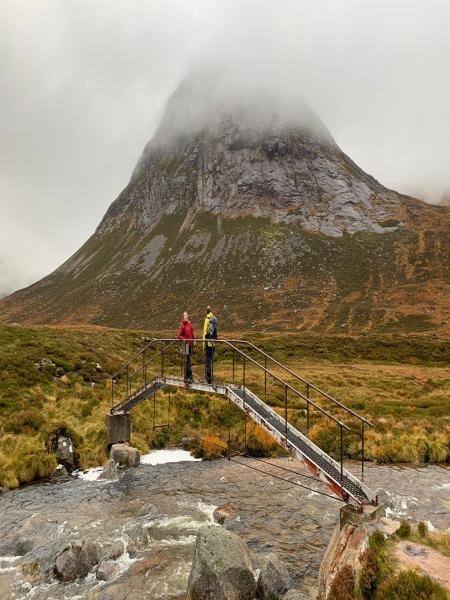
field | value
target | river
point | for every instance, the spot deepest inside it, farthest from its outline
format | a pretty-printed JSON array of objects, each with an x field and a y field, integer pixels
[{"x": 158, "y": 508}]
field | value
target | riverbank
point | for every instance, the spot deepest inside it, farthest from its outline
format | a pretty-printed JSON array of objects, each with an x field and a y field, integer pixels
[
  {"x": 57, "y": 380},
  {"x": 160, "y": 509}
]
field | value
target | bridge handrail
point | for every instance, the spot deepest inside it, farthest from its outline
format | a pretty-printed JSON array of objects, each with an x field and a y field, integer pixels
[
  {"x": 303, "y": 380},
  {"x": 232, "y": 343},
  {"x": 132, "y": 359},
  {"x": 247, "y": 357}
]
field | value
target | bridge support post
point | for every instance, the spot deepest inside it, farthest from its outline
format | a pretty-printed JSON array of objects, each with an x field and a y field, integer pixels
[
  {"x": 369, "y": 514},
  {"x": 118, "y": 428}
]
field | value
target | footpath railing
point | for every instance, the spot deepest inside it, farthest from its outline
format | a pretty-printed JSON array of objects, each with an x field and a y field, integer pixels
[{"x": 240, "y": 362}]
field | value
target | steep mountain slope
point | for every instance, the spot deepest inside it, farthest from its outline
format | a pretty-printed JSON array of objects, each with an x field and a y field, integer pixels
[{"x": 261, "y": 216}]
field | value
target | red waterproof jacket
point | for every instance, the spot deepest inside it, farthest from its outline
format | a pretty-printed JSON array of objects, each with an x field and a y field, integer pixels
[{"x": 186, "y": 332}]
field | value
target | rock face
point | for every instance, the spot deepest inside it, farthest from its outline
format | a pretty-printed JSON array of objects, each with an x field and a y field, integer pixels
[
  {"x": 76, "y": 561},
  {"x": 273, "y": 580},
  {"x": 269, "y": 215},
  {"x": 125, "y": 456},
  {"x": 65, "y": 454},
  {"x": 221, "y": 568}
]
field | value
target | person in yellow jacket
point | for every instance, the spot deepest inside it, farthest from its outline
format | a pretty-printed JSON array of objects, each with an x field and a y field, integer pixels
[{"x": 209, "y": 333}]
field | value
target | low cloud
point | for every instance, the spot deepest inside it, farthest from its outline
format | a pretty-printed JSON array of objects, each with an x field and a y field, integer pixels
[{"x": 84, "y": 85}]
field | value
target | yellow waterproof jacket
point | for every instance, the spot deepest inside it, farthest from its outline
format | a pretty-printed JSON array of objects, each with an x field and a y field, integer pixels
[{"x": 205, "y": 330}]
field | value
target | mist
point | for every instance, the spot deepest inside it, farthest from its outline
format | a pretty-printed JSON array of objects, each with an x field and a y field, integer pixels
[{"x": 84, "y": 84}]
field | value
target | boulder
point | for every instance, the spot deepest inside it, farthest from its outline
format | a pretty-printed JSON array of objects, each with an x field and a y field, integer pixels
[
  {"x": 225, "y": 512},
  {"x": 114, "y": 551},
  {"x": 125, "y": 456},
  {"x": 60, "y": 472},
  {"x": 109, "y": 471},
  {"x": 106, "y": 570},
  {"x": 221, "y": 568},
  {"x": 76, "y": 561},
  {"x": 273, "y": 580},
  {"x": 66, "y": 565},
  {"x": 65, "y": 454}
]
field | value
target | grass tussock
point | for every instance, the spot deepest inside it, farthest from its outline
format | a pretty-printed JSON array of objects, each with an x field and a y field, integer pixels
[
  {"x": 375, "y": 566},
  {"x": 51, "y": 383},
  {"x": 411, "y": 585},
  {"x": 343, "y": 585},
  {"x": 420, "y": 534}
]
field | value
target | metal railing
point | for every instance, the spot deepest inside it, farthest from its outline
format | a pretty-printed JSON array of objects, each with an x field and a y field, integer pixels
[{"x": 134, "y": 375}]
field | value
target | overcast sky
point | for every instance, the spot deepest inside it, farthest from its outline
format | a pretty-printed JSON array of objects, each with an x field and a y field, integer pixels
[{"x": 83, "y": 84}]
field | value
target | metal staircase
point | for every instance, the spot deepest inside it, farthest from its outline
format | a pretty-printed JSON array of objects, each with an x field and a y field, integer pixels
[{"x": 142, "y": 377}]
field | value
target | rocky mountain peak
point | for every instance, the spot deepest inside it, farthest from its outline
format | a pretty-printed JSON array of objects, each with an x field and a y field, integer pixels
[
  {"x": 261, "y": 156},
  {"x": 247, "y": 203}
]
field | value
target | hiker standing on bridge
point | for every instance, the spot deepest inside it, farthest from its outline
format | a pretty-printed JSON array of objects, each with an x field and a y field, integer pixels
[
  {"x": 186, "y": 335},
  {"x": 209, "y": 333}
]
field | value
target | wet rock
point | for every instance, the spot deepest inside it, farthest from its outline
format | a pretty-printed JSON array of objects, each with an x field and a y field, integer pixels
[
  {"x": 110, "y": 471},
  {"x": 148, "y": 509},
  {"x": 59, "y": 473},
  {"x": 388, "y": 526},
  {"x": 66, "y": 566},
  {"x": 76, "y": 561},
  {"x": 224, "y": 513},
  {"x": 125, "y": 456},
  {"x": 221, "y": 568},
  {"x": 274, "y": 579},
  {"x": 296, "y": 595},
  {"x": 114, "y": 551},
  {"x": 65, "y": 454},
  {"x": 131, "y": 549},
  {"x": 398, "y": 505},
  {"x": 34, "y": 531},
  {"x": 137, "y": 534},
  {"x": 106, "y": 570}
]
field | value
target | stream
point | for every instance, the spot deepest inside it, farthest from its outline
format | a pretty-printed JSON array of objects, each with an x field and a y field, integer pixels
[{"x": 157, "y": 509}]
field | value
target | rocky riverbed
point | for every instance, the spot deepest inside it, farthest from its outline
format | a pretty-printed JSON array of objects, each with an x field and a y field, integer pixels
[{"x": 143, "y": 526}]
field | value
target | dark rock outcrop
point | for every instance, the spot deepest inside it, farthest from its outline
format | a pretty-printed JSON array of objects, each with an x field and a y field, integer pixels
[
  {"x": 221, "y": 568},
  {"x": 76, "y": 561},
  {"x": 274, "y": 579},
  {"x": 65, "y": 453}
]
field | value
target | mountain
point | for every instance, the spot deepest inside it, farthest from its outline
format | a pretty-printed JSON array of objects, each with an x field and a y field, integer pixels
[{"x": 264, "y": 217}]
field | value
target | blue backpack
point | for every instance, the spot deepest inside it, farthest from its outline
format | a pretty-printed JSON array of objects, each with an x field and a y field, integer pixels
[{"x": 212, "y": 328}]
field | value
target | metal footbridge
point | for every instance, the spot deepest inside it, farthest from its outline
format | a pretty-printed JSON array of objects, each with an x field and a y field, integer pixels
[{"x": 288, "y": 399}]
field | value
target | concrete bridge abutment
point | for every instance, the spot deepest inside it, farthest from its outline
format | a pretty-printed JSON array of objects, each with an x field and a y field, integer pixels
[{"x": 118, "y": 428}]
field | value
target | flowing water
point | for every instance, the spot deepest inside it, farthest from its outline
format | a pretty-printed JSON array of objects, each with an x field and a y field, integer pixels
[{"x": 159, "y": 508}]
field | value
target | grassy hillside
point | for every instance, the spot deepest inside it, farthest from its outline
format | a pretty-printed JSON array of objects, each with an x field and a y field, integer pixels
[{"x": 50, "y": 383}]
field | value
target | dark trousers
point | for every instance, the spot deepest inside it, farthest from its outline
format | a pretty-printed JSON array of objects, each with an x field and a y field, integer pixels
[
  {"x": 209, "y": 353},
  {"x": 187, "y": 362}
]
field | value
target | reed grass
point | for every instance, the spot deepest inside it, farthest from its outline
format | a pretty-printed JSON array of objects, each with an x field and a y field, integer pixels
[{"x": 407, "y": 399}]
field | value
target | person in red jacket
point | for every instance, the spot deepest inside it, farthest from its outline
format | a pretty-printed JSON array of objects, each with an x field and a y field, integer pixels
[{"x": 186, "y": 335}]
